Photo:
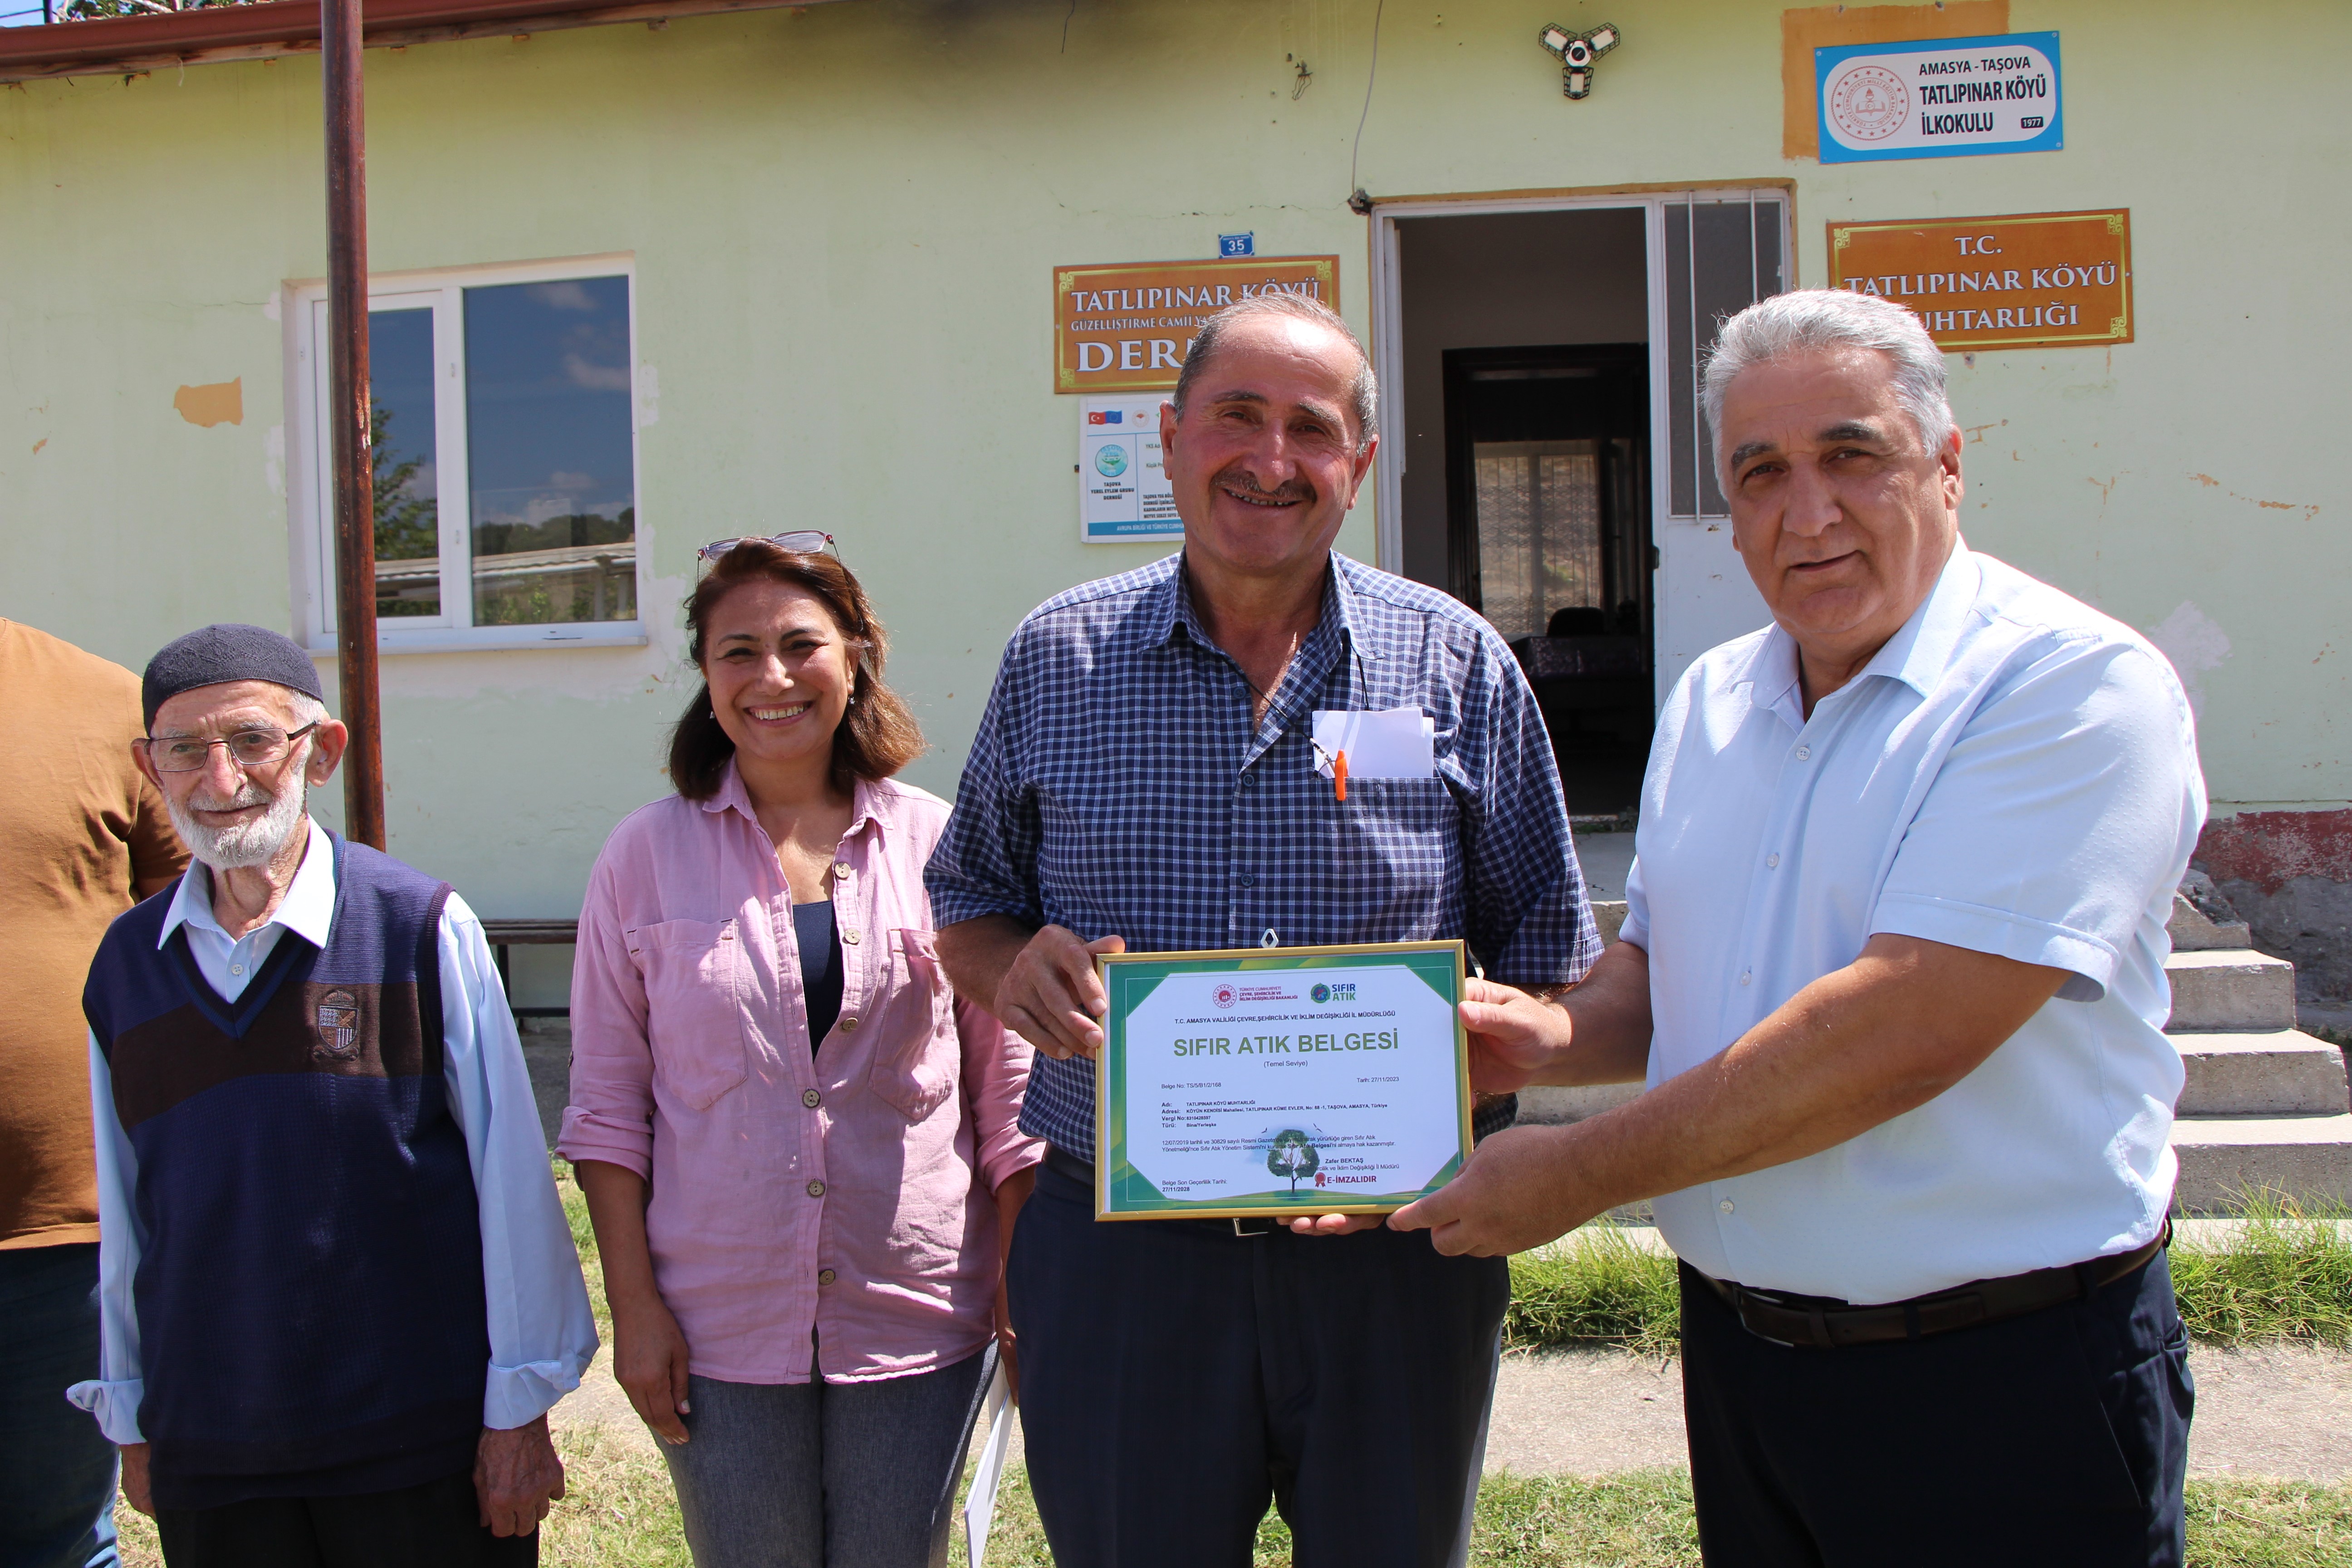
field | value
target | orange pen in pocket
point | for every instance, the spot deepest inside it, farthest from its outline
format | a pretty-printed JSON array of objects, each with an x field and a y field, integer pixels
[{"x": 1340, "y": 775}]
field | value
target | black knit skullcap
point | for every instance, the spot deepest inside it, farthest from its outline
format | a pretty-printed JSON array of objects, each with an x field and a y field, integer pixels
[{"x": 211, "y": 655}]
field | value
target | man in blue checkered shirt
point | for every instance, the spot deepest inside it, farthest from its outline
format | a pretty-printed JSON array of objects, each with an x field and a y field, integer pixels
[{"x": 1144, "y": 779}]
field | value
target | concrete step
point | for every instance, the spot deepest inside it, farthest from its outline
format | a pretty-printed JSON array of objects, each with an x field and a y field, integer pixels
[
  {"x": 2282, "y": 1073},
  {"x": 2308, "y": 1158},
  {"x": 2230, "y": 989},
  {"x": 2193, "y": 930}
]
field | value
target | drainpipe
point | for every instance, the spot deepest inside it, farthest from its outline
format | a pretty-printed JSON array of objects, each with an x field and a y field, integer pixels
[{"x": 348, "y": 416}]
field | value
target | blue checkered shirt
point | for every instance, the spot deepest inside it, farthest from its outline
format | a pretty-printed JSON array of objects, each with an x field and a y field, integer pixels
[{"x": 1117, "y": 787}]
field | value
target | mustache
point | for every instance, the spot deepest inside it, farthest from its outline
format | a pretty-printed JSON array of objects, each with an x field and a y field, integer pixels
[
  {"x": 251, "y": 794},
  {"x": 1236, "y": 477}
]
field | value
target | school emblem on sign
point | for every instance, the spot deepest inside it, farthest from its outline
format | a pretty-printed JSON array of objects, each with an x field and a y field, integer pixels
[
  {"x": 1869, "y": 102},
  {"x": 339, "y": 1027}
]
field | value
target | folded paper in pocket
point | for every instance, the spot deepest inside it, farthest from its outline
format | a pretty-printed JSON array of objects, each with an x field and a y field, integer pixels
[{"x": 1399, "y": 743}]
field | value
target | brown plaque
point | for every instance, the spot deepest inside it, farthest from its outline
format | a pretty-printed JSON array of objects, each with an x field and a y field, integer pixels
[
  {"x": 1128, "y": 327},
  {"x": 2037, "y": 280}
]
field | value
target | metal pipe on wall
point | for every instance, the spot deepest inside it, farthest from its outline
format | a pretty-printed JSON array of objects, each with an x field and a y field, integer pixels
[{"x": 349, "y": 418}]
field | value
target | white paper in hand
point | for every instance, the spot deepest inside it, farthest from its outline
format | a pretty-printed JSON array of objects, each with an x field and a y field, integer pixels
[
  {"x": 980, "y": 1506},
  {"x": 1399, "y": 743}
]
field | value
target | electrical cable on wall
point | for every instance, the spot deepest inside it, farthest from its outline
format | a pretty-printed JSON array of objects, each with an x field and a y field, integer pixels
[{"x": 1357, "y": 200}]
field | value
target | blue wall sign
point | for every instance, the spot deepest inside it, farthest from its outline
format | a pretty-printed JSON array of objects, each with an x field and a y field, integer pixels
[
  {"x": 1939, "y": 98},
  {"x": 1237, "y": 244}
]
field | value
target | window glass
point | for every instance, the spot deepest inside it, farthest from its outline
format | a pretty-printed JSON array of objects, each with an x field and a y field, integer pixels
[
  {"x": 407, "y": 517},
  {"x": 553, "y": 487},
  {"x": 1538, "y": 531},
  {"x": 1737, "y": 247}
]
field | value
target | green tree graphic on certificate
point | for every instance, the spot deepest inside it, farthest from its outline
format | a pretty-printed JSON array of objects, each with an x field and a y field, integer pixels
[{"x": 1293, "y": 1156}]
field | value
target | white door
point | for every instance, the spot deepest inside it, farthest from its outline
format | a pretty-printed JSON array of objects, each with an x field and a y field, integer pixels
[
  {"x": 1704, "y": 596},
  {"x": 1712, "y": 253}
]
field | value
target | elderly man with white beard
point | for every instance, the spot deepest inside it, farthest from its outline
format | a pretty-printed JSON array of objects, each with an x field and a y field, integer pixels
[{"x": 338, "y": 1292}]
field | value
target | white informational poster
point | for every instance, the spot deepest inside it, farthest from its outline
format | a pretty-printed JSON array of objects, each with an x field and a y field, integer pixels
[{"x": 1123, "y": 493}]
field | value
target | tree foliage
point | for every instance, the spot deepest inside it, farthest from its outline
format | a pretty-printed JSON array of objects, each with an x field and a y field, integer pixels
[
  {"x": 407, "y": 524},
  {"x": 92, "y": 10}
]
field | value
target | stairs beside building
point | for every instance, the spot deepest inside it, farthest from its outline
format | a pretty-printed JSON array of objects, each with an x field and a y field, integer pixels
[{"x": 2264, "y": 1107}]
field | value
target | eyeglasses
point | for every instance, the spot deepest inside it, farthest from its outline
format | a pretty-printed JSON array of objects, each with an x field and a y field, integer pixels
[
  {"x": 254, "y": 747},
  {"x": 806, "y": 540}
]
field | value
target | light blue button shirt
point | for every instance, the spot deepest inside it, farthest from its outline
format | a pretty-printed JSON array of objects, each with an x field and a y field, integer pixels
[
  {"x": 542, "y": 1335},
  {"x": 2014, "y": 773}
]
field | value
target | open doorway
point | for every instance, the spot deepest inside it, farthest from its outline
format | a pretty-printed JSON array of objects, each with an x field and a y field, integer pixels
[
  {"x": 1548, "y": 536},
  {"x": 1526, "y": 349},
  {"x": 1543, "y": 457}
]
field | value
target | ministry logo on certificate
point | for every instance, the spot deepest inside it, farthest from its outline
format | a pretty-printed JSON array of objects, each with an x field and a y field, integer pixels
[{"x": 1288, "y": 1081}]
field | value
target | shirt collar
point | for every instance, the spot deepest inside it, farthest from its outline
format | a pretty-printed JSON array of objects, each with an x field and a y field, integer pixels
[
  {"x": 1172, "y": 607},
  {"x": 1916, "y": 655},
  {"x": 867, "y": 804},
  {"x": 308, "y": 910}
]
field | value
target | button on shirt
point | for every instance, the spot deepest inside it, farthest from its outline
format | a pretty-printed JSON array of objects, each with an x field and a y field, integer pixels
[
  {"x": 836, "y": 1199},
  {"x": 1119, "y": 786},
  {"x": 2014, "y": 773},
  {"x": 542, "y": 1335}
]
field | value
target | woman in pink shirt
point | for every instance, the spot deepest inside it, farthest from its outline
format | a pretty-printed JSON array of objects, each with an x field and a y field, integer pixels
[{"x": 797, "y": 1143}]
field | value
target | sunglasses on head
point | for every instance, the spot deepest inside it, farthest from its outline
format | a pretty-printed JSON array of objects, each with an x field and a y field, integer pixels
[{"x": 807, "y": 541}]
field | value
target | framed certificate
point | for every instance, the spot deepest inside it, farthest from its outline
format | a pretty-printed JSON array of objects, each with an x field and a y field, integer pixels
[{"x": 1280, "y": 1080}]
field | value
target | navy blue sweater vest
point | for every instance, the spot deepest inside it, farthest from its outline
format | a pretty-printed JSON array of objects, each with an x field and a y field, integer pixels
[{"x": 310, "y": 1294}]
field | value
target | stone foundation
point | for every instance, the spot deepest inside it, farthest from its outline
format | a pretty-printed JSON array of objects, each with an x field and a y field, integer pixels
[{"x": 2288, "y": 874}]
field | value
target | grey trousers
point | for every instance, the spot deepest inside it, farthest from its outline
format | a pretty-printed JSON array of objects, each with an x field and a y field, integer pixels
[{"x": 826, "y": 1474}]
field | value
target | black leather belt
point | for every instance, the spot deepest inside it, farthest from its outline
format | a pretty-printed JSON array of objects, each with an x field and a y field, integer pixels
[
  {"x": 1064, "y": 1164},
  {"x": 1818, "y": 1323}
]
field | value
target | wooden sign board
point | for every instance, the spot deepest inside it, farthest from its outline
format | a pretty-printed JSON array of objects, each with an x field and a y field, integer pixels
[
  {"x": 1128, "y": 327},
  {"x": 2032, "y": 282}
]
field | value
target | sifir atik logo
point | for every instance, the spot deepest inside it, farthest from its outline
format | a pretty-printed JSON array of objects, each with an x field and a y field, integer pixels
[{"x": 1338, "y": 991}]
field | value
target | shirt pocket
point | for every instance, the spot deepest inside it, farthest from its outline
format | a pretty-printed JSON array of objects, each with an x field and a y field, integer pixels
[
  {"x": 918, "y": 1055},
  {"x": 694, "y": 1012},
  {"x": 1396, "y": 859}
]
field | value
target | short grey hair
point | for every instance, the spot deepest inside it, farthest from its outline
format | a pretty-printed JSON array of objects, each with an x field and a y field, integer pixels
[
  {"x": 306, "y": 708},
  {"x": 1363, "y": 393},
  {"x": 1816, "y": 320}
]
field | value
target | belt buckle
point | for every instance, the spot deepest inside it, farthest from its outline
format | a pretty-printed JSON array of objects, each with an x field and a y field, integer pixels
[{"x": 1264, "y": 1226}]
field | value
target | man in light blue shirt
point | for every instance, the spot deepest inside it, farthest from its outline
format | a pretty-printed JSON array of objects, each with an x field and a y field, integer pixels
[
  {"x": 339, "y": 1294},
  {"x": 1893, "y": 966}
]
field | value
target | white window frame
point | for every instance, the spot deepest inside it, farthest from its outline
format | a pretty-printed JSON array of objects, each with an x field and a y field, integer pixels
[{"x": 310, "y": 501}]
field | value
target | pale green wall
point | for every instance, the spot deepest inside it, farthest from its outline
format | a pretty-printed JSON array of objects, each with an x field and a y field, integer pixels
[{"x": 843, "y": 224}]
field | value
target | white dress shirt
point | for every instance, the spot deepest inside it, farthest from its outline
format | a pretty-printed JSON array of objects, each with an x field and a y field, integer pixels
[
  {"x": 542, "y": 1335},
  {"x": 2014, "y": 774}
]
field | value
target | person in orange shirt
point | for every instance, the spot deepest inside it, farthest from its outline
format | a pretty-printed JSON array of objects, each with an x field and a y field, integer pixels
[{"x": 82, "y": 837}]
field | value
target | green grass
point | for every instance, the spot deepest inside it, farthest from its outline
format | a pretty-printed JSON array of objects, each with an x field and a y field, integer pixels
[
  {"x": 620, "y": 1513},
  {"x": 1597, "y": 1286},
  {"x": 2285, "y": 1275}
]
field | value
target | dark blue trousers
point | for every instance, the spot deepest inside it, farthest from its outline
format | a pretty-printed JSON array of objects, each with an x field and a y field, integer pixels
[
  {"x": 2060, "y": 1436},
  {"x": 436, "y": 1525},
  {"x": 57, "y": 1468},
  {"x": 1174, "y": 1377}
]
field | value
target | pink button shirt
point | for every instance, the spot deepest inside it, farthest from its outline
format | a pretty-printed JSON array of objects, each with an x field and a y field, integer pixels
[{"x": 847, "y": 1194}]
